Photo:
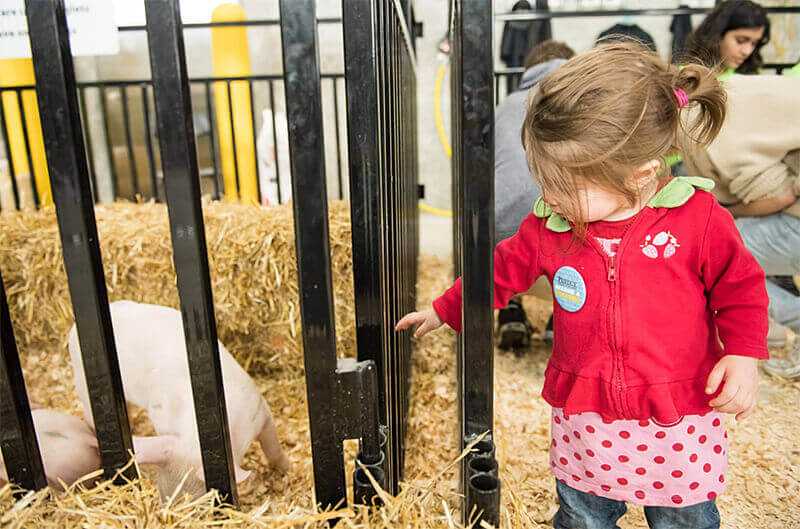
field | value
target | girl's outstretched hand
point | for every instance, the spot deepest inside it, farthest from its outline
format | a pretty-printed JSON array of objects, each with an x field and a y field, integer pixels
[
  {"x": 739, "y": 393},
  {"x": 427, "y": 321}
]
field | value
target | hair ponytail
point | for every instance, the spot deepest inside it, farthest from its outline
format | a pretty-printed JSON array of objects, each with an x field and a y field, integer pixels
[{"x": 706, "y": 97}]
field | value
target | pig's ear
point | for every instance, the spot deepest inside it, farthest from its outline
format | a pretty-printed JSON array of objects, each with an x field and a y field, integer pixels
[
  {"x": 153, "y": 450},
  {"x": 241, "y": 474}
]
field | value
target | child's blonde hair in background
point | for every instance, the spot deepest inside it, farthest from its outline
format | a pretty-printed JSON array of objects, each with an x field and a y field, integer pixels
[{"x": 609, "y": 111}]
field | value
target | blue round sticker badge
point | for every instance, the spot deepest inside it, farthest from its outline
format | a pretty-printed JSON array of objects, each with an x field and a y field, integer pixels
[{"x": 569, "y": 289}]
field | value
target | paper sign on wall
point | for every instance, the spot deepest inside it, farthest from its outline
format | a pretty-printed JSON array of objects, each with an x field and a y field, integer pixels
[{"x": 91, "y": 23}]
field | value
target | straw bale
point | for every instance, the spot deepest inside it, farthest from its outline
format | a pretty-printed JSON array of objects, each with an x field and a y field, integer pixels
[
  {"x": 251, "y": 259},
  {"x": 763, "y": 480}
]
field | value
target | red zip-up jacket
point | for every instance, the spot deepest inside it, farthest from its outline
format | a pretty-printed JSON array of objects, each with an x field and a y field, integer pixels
[{"x": 635, "y": 335}]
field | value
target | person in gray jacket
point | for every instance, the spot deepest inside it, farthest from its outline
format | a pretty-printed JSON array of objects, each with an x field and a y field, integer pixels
[{"x": 515, "y": 190}]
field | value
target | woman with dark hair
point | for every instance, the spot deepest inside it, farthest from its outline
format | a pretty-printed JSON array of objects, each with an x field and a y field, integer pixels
[{"x": 731, "y": 35}]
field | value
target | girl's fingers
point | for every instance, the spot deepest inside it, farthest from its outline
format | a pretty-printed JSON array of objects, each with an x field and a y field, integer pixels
[
  {"x": 714, "y": 378},
  {"x": 424, "y": 329},
  {"x": 729, "y": 392},
  {"x": 747, "y": 413},
  {"x": 738, "y": 404},
  {"x": 408, "y": 320}
]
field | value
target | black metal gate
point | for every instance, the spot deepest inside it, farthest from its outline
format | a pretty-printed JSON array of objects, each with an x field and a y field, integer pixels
[
  {"x": 365, "y": 398},
  {"x": 472, "y": 125}
]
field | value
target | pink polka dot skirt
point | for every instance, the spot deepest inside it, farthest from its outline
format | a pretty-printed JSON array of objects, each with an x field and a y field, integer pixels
[{"x": 641, "y": 462}]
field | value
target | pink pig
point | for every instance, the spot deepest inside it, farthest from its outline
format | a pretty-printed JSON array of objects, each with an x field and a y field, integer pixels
[
  {"x": 67, "y": 445},
  {"x": 155, "y": 376}
]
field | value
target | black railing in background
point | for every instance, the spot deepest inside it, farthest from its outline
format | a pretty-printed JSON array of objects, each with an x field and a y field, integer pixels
[
  {"x": 69, "y": 178},
  {"x": 507, "y": 79},
  {"x": 534, "y": 14},
  {"x": 129, "y": 138},
  {"x": 179, "y": 162},
  {"x": 472, "y": 126},
  {"x": 503, "y": 76}
]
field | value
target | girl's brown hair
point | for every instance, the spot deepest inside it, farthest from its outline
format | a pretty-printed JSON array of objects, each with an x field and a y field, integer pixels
[{"x": 608, "y": 111}]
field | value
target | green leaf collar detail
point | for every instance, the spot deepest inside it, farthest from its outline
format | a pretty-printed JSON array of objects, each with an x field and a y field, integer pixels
[
  {"x": 555, "y": 222},
  {"x": 679, "y": 190},
  {"x": 676, "y": 193}
]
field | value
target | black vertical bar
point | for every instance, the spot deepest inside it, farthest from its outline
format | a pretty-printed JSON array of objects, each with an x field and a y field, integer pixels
[
  {"x": 217, "y": 172},
  {"x": 17, "y": 437},
  {"x": 255, "y": 138},
  {"x": 233, "y": 141},
  {"x": 126, "y": 123},
  {"x": 27, "y": 140},
  {"x": 338, "y": 139},
  {"x": 359, "y": 26},
  {"x": 107, "y": 136},
  {"x": 7, "y": 147},
  {"x": 182, "y": 184},
  {"x": 69, "y": 178},
  {"x": 475, "y": 191},
  {"x": 304, "y": 115},
  {"x": 87, "y": 140},
  {"x": 275, "y": 142},
  {"x": 148, "y": 143}
]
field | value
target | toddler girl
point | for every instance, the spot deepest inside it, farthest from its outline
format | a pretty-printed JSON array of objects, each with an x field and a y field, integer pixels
[{"x": 660, "y": 312}]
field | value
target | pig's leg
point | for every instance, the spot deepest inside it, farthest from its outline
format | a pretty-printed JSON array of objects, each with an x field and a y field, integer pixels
[
  {"x": 153, "y": 450},
  {"x": 270, "y": 444},
  {"x": 79, "y": 376}
]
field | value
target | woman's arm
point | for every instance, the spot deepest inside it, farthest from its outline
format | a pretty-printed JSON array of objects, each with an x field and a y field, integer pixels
[{"x": 765, "y": 206}]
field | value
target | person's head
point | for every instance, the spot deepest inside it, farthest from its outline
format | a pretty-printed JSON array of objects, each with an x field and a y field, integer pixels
[
  {"x": 548, "y": 50},
  {"x": 598, "y": 129},
  {"x": 732, "y": 36}
]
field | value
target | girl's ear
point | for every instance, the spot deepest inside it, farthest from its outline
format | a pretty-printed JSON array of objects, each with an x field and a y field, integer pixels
[{"x": 647, "y": 170}]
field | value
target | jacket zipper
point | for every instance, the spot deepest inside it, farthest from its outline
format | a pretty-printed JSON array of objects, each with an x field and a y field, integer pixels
[{"x": 612, "y": 278}]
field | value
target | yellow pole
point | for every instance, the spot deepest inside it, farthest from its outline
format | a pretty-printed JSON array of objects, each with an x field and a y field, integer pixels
[
  {"x": 231, "y": 58},
  {"x": 19, "y": 72}
]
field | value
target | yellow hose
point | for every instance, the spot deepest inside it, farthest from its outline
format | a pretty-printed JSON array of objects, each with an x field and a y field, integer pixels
[
  {"x": 437, "y": 107},
  {"x": 435, "y": 211}
]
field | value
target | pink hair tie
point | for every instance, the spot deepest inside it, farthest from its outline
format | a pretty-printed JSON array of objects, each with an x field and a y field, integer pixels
[{"x": 681, "y": 96}]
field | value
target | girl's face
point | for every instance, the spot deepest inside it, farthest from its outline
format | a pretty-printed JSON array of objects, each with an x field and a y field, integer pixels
[
  {"x": 738, "y": 44},
  {"x": 597, "y": 203}
]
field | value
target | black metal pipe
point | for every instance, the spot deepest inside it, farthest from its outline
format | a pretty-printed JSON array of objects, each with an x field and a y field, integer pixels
[
  {"x": 237, "y": 23},
  {"x": 337, "y": 139},
  {"x": 255, "y": 140},
  {"x": 148, "y": 142},
  {"x": 18, "y": 443},
  {"x": 618, "y": 13},
  {"x": 69, "y": 178},
  {"x": 217, "y": 174},
  {"x": 126, "y": 124},
  {"x": 87, "y": 140},
  {"x": 482, "y": 465},
  {"x": 275, "y": 148},
  {"x": 27, "y": 141},
  {"x": 483, "y": 500},
  {"x": 364, "y": 491},
  {"x": 233, "y": 141},
  {"x": 7, "y": 152},
  {"x": 109, "y": 149},
  {"x": 181, "y": 177}
]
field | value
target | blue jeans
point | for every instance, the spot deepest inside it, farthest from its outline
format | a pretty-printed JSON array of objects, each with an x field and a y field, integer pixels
[
  {"x": 774, "y": 241},
  {"x": 581, "y": 510}
]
